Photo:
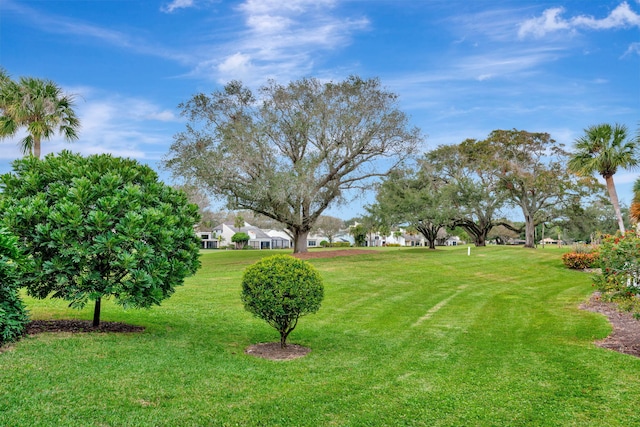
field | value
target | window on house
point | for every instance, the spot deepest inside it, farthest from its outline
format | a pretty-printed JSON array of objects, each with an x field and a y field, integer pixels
[
  {"x": 311, "y": 243},
  {"x": 205, "y": 237}
]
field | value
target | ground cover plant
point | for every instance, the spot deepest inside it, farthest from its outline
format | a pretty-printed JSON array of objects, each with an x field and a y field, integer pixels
[{"x": 404, "y": 337}]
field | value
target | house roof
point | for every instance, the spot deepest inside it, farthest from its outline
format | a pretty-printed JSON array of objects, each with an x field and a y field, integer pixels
[{"x": 259, "y": 233}]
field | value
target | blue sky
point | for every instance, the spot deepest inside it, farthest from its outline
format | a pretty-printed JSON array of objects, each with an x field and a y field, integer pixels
[{"x": 461, "y": 68}]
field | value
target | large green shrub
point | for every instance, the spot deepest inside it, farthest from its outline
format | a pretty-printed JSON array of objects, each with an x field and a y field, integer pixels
[
  {"x": 279, "y": 289},
  {"x": 99, "y": 226},
  {"x": 13, "y": 315},
  {"x": 620, "y": 262}
]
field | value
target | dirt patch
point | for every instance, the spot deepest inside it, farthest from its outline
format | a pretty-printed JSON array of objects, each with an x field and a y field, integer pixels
[
  {"x": 331, "y": 254},
  {"x": 76, "y": 326},
  {"x": 625, "y": 337},
  {"x": 273, "y": 351}
]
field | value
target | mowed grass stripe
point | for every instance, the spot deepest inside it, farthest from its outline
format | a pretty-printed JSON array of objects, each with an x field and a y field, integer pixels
[{"x": 511, "y": 348}]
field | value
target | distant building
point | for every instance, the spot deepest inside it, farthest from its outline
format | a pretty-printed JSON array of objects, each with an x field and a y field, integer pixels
[{"x": 221, "y": 235}]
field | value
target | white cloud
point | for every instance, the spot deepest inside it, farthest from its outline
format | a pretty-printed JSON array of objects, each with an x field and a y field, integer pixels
[
  {"x": 501, "y": 63},
  {"x": 633, "y": 49},
  {"x": 260, "y": 7},
  {"x": 116, "y": 124},
  {"x": 552, "y": 21},
  {"x": 280, "y": 40},
  {"x": 548, "y": 22},
  {"x": 177, "y": 4},
  {"x": 621, "y": 17},
  {"x": 268, "y": 24},
  {"x": 485, "y": 26},
  {"x": 237, "y": 64},
  {"x": 271, "y": 39}
]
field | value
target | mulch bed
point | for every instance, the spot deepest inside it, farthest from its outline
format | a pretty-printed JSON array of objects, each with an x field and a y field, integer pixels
[
  {"x": 76, "y": 326},
  {"x": 625, "y": 337},
  {"x": 273, "y": 351}
]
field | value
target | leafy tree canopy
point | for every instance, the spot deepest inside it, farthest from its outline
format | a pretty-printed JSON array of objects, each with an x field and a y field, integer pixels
[
  {"x": 531, "y": 168},
  {"x": 604, "y": 149},
  {"x": 240, "y": 239},
  {"x": 419, "y": 199},
  {"x": 359, "y": 233},
  {"x": 329, "y": 226},
  {"x": 291, "y": 151},
  {"x": 476, "y": 193},
  {"x": 40, "y": 107},
  {"x": 99, "y": 226}
]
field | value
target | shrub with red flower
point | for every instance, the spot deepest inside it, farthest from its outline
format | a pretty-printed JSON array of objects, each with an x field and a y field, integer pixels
[
  {"x": 620, "y": 278},
  {"x": 582, "y": 256},
  {"x": 580, "y": 261}
]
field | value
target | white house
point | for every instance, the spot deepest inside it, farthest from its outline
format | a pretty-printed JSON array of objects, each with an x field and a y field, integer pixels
[
  {"x": 208, "y": 238},
  {"x": 453, "y": 241},
  {"x": 222, "y": 234}
]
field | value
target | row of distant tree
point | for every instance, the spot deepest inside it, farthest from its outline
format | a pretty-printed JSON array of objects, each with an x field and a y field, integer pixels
[
  {"x": 289, "y": 152},
  {"x": 470, "y": 184},
  {"x": 295, "y": 150}
]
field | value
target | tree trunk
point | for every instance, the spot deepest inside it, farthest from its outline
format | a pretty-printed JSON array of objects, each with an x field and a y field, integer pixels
[
  {"x": 613, "y": 195},
  {"x": 96, "y": 314},
  {"x": 478, "y": 233},
  {"x": 430, "y": 233},
  {"x": 36, "y": 147},
  {"x": 300, "y": 241},
  {"x": 529, "y": 233},
  {"x": 283, "y": 339}
]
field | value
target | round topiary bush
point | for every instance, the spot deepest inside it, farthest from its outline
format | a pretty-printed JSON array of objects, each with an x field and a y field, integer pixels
[
  {"x": 13, "y": 315},
  {"x": 279, "y": 289}
]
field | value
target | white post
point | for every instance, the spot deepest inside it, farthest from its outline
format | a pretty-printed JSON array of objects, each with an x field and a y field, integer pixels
[{"x": 468, "y": 250}]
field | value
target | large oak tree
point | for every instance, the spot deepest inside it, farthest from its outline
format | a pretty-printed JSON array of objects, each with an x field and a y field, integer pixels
[
  {"x": 531, "y": 168},
  {"x": 477, "y": 195},
  {"x": 419, "y": 199},
  {"x": 291, "y": 151}
]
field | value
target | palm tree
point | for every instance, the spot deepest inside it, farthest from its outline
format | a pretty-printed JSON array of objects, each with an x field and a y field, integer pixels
[
  {"x": 4, "y": 77},
  {"x": 603, "y": 149},
  {"x": 40, "y": 107}
]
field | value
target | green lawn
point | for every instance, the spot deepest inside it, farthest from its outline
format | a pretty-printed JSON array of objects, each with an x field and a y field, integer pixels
[{"x": 404, "y": 337}]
